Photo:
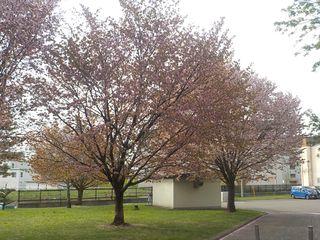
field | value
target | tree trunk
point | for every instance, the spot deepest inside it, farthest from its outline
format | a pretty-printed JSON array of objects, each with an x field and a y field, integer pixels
[
  {"x": 119, "y": 214},
  {"x": 68, "y": 196},
  {"x": 231, "y": 194},
  {"x": 80, "y": 196}
]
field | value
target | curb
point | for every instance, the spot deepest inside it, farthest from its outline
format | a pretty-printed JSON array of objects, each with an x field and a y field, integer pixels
[{"x": 226, "y": 233}]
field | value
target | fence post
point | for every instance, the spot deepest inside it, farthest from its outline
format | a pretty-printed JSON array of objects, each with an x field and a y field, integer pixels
[
  {"x": 257, "y": 232},
  {"x": 60, "y": 198},
  {"x": 136, "y": 193},
  {"x": 18, "y": 197},
  {"x": 310, "y": 233},
  {"x": 95, "y": 194},
  {"x": 40, "y": 195}
]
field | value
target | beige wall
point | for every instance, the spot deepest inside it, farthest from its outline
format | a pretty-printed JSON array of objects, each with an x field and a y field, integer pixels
[
  {"x": 310, "y": 169},
  {"x": 176, "y": 194},
  {"x": 206, "y": 196},
  {"x": 162, "y": 193},
  {"x": 306, "y": 167}
]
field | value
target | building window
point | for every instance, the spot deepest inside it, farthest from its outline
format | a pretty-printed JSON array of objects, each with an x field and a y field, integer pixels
[
  {"x": 292, "y": 175},
  {"x": 14, "y": 174},
  {"x": 12, "y": 165},
  {"x": 21, "y": 174}
]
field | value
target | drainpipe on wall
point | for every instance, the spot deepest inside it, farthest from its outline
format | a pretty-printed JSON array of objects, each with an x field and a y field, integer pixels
[{"x": 310, "y": 172}]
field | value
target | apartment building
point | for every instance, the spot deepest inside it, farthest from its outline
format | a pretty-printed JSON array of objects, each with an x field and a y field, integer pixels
[
  {"x": 310, "y": 167},
  {"x": 20, "y": 177},
  {"x": 283, "y": 174}
]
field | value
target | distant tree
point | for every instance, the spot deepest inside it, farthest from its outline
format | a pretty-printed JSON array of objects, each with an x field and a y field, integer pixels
[
  {"x": 8, "y": 139},
  {"x": 24, "y": 25},
  {"x": 4, "y": 170},
  {"x": 249, "y": 133},
  {"x": 4, "y": 194},
  {"x": 119, "y": 84},
  {"x": 304, "y": 22},
  {"x": 314, "y": 123},
  {"x": 50, "y": 165}
]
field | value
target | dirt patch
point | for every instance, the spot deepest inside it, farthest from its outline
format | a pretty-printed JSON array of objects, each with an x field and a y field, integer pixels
[{"x": 125, "y": 226}]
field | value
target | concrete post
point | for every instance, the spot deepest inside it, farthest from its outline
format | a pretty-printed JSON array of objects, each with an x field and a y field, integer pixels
[
  {"x": 257, "y": 232},
  {"x": 241, "y": 188},
  {"x": 310, "y": 233}
]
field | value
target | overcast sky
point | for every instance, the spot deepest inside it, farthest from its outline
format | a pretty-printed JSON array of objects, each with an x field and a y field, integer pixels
[{"x": 255, "y": 40}]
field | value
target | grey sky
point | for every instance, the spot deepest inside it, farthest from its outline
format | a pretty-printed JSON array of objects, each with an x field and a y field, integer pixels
[{"x": 256, "y": 42}]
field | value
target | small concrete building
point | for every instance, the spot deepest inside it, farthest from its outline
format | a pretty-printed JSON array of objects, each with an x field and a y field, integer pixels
[{"x": 183, "y": 194}]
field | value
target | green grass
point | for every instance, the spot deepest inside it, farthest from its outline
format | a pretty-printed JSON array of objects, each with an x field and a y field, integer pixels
[
  {"x": 92, "y": 223},
  {"x": 266, "y": 197}
]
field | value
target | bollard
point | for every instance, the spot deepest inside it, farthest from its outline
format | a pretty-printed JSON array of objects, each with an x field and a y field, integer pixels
[
  {"x": 256, "y": 232},
  {"x": 310, "y": 233}
]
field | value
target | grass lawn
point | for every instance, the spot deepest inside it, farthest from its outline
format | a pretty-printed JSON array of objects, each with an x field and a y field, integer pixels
[
  {"x": 266, "y": 197},
  {"x": 91, "y": 223}
]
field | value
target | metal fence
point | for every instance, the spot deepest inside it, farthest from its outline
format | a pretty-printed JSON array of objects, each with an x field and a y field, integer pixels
[
  {"x": 58, "y": 197},
  {"x": 255, "y": 190}
]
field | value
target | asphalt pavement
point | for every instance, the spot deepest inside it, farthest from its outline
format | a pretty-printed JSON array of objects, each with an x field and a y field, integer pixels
[{"x": 285, "y": 220}]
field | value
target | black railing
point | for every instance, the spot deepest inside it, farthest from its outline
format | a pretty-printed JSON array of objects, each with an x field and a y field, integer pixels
[
  {"x": 252, "y": 190},
  {"x": 93, "y": 194}
]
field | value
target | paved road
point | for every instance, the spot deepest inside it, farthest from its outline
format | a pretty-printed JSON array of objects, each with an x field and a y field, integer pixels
[
  {"x": 283, "y": 205},
  {"x": 287, "y": 220}
]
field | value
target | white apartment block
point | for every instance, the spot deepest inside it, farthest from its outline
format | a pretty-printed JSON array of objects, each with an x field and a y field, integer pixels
[
  {"x": 283, "y": 174},
  {"x": 310, "y": 167},
  {"x": 20, "y": 178}
]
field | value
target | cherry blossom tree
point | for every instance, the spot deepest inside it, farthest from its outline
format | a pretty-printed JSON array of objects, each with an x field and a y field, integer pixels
[
  {"x": 50, "y": 165},
  {"x": 119, "y": 84},
  {"x": 23, "y": 27},
  {"x": 250, "y": 133}
]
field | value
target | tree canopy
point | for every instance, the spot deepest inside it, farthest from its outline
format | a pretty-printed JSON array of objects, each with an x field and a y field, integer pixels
[
  {"x": 303, "y": 22},
  {"x": 24, "y": 26},
  {"x": 50, "y": 164},
  {"x": 250, "y": 133},
  {"x": 119, "y": 84}
]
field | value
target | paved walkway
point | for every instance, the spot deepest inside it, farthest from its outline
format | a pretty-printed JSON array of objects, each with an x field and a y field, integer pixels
[{"x": 286, "y": 220}]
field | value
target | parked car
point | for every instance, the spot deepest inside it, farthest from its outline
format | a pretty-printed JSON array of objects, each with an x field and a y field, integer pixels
[
  {"x": 317, "y": 189},
  {"x": 303, "y": 192}
]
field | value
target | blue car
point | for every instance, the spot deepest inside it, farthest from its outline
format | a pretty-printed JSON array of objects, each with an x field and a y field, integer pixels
[{"x": 303, "y": 192}]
